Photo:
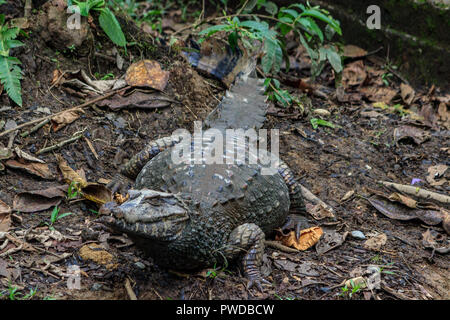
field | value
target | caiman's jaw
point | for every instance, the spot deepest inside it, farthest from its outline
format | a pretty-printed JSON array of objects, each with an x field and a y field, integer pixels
[{"x": 147, "y": 214}]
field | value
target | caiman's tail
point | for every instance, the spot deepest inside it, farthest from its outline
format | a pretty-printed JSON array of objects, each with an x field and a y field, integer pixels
[{"x": 244, "y": 104}]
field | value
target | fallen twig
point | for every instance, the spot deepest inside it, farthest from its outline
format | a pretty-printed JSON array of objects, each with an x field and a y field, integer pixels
[
  {"x": 308, "y": 195},
  {"x": 130, "y": 291},
  {"x": 279, "y": 246},
  {"x": 418, "y": 192},
  {"x": 29, "y": 123},
  {"x": 35, "y": 128},
  {"x": 59, "y": 145}
]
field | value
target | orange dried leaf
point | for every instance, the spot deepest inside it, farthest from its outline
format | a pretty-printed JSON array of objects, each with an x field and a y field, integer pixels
[
  {"x": 147, "y": 73},
  {"x": 307, "y": 239},
  {"x": 69, "y": 174},
  {"x": 65, "y": 118}
]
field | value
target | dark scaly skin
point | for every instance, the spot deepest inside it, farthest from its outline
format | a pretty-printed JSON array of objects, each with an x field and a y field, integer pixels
[{"x": 228, "y": 208}]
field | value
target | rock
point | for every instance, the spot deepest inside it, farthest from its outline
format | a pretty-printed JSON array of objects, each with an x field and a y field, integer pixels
[
  {"x": 140, "y": 265},
  {"x": 52, "y": 22},
  {"x": 358, "y": 235}
]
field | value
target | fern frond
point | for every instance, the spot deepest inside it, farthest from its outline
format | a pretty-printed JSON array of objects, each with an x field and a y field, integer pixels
[{"x": 10, "y": 76}]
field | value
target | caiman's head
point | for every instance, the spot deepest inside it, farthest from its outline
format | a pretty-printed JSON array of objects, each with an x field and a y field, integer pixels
[{"x": 147, "y": 214}]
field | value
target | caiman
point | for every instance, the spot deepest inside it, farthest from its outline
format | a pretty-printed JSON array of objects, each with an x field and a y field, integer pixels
[{"x": 194, "y": 215}]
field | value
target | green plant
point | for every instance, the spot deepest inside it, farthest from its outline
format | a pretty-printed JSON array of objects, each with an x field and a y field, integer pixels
[
  {"x": 55, "y": 216},
  {"x": 281, "y": 96},
  {"x": 315, "y": 122},
  {"x": 297, "y": 18},
  {"x": 72, "y": 191},
  {"x": 10, "y": 71},
  {"x": 107, "y": 19},
  {"x": 13, "y": 292}
]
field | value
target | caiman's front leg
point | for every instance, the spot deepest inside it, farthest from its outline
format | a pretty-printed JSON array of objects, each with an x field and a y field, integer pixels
[
  {"x": 132, "y": 168},
  {"x": 248, "y": 240}
]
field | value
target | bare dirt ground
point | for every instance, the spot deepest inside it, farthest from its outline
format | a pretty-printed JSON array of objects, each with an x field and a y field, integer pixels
[{"x": 330, "y": 162}]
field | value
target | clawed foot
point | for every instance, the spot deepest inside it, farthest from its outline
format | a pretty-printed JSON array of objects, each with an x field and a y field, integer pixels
[
  {"x": 258, "y": 282},
  {"x": 297, "y": 222}
]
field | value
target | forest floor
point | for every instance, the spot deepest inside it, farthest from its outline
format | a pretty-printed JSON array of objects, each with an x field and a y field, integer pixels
[{"x": 383, "y": 131}]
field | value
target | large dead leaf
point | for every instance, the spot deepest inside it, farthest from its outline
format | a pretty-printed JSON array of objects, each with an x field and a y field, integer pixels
[
  {"x": 416, "y": 134},
  {"x": 307, "y": 239},
  {"x": 409, "y": 202},
  {"x": 397, "y": 211},
  {"x": 69, "y": 175},
  {"x": 5, "y": 217},
  {"x": 97, "y": 193},
  {"x": 330, "y": 240},
  {"x": 147, "y": 73},
  {"x": 39, "y": 200},
  {"x": 37, "y": 169},
  {"x": 137, "y": 99},
  {"x": 436, "y": 241},
  {"x": 318, "y": 211},
  {"x": 65, "y": 118},
  {"x": 407, "y": 93}
]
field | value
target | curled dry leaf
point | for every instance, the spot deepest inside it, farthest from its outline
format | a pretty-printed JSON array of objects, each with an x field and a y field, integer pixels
[
  {"x": 97, "y": 193},
  {"x": 407, "y": 201},
  {"x": 379, "y": 94},
  {"x": 348, "y": 195},
  {"x": 376, "y": 242},
  {"x": 436, "y": 241},
  {"x": 307, "y": 239},
  {"x": 36, "y": 169},
  {"x": 147, "y": 73},
  {"x": 5, "y": 217},
  {"x": 69, "y": 174},
  {"x": 416, "y": 134},
  {"x": 26, "y": 156},
  {"x": 407, "y": 93},
  {"x": 91, "y": 191},
  {"x": 354, "y": 74},
  {"x": 65, "y": 118}
]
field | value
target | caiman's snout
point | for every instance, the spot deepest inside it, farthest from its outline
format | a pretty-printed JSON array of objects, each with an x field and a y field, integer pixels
[{"x": 108, "y": 208}]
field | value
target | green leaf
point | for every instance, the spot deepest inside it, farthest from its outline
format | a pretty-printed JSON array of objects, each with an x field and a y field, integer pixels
[
  {"x": 10, "y": 76},
  {"x": 290, "y": 12},
  {"x": 54, "y": 215},
  {"x": 319, "y": 15},
  {"x": 112, "y": 28},
  {"x": 271, "y": 8},
  {"x": 260, "y": 26},
  {"x": 319, "y": 122},
  {"x": 64, "y": 215},
  {"x": 273, "y": 56},
  {"x": 335, "y": 59},
  {"x": 214, "y": 29}
]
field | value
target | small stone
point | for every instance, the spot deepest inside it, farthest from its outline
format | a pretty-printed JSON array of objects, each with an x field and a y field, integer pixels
[
  {"x": 140, "y": 265},
  {"x": 96, "y": 286},
  {"x": 358, "y": 235}
]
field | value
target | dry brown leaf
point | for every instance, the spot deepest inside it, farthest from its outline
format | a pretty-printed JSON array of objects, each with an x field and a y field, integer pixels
[
  {"x": 37, "y": 169},
  {"x": 376, "y": 242},
  {"x": 97, "y": 193},
  {"x": 416, "y": 134},
  {"x": 39, "y": 200},
  {"x": 354, "y": 74},
  {"x": 379, "y": 94},
  {"x": 434, "y": 172},
  {"x": 353, "y": 51},
  {"x": 348, "y": 195},
  {"x": 56, "y": 78},
  {"x": 65, "y": 118},
  {"x": 26, "y": 156},
  {"x": 318, "y": 211},
  {"x": 307, "y": 239},
  {"x": 407, "y": 201},
  {"x": 69, "y": 174},
  {"x": 5, "y": 217},
  {"x": 147, "y": 73},
  {"x": 407, "y": 93}
]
